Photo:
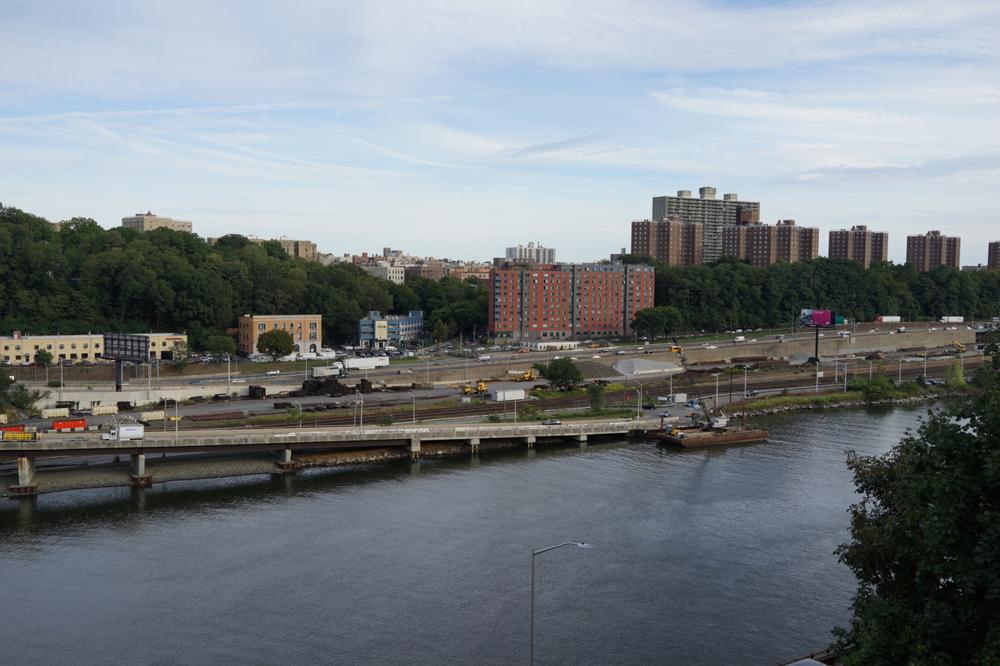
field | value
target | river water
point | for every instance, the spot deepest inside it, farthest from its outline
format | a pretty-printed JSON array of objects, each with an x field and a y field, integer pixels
[{"x": 699, "y": 557}]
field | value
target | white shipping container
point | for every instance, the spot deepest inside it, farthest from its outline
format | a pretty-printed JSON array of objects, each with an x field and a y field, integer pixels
[
  {"x": 889, "y": 319},
  {"x": 676, "y": 398},
  {"x": 55, "y": 412},
  {"x": 503, "y": 395},
  {"x": 334, "y": 370},
  {"x": 952, "y": 320},
  {"x": 99, "y": 410},
  {"x": 152, "y": 416}
]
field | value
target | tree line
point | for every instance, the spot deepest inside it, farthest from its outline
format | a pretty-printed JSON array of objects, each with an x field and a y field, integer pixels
[
  {"x": 731, "y": 294},
  {"x": 77, "y": 277}
]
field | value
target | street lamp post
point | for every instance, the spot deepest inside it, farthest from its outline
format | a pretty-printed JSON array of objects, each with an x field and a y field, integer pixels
[
  {"x": 899, "y": 376},
  {"x": 744, "y": 381},
  {"x": 869, "y": 370},
  {"x": 413, "y": 397},
  {"x": 299, "y": 405},
  {"x": 531, "y": 609},
  {"x": 638, "y": 404},
  {"x": 716, "y": 375}
]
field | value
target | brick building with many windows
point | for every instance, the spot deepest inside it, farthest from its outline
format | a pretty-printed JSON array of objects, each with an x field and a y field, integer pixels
[
  {"x": 671, "y": 240},
  {"x": 565, "y": 301},
  {"x": 762, "y": 244},
  {"x": 993, "y": 256},
  {"x": 932, "y": 250},
  {"x": 306, "y": 331},
  {"x": 860, "y": 245}
]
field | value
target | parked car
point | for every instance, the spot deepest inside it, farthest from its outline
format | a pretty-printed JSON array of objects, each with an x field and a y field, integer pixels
[
  {"x": 272, "y": 373},
  {"x": 551, "y": 422}
]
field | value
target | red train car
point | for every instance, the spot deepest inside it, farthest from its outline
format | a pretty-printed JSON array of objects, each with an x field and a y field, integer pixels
[
  {"x": 69, "y": 424},
  {"x": 12, "y": 428}
]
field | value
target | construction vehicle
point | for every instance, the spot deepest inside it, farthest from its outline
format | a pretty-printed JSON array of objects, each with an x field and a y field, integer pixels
[
  {"x": 527, "y": 376},
  {"x": 959, "y": 347},
  {"x": 481, "y": 388},
  {"x": 676, "y": 349},
  {"x": 713, "y": 422},
  {"x": 467, "y": 389}
]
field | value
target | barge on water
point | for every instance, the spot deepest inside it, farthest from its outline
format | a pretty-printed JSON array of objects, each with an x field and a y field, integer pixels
[{"x": 697, "y": 437}]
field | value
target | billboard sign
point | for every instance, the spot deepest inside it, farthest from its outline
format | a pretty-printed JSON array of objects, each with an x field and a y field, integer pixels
[
  {"x": 817, "y": 318},
  {"x": 126, "y": 347}
]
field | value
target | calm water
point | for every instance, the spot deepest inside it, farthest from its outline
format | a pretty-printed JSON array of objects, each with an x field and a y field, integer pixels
[{"x": 700, "y": 557}]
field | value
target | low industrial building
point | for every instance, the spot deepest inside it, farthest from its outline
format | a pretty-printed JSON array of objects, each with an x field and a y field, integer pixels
[
  {"x": 378, "y": 332},
  {"x": 306, "y": 331},
  {"x": 20, "y": 349}
]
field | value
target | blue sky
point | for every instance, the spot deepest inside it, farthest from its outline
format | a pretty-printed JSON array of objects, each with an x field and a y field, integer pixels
[{"x": 458, "y": 128}]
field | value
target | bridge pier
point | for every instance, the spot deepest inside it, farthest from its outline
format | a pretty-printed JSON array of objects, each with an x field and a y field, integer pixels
[
  {"x": 474, "y": 443},
  {"x": 284, "y": 460},
  {"x": 25, "y": 477},
  {"x": 137, "y": 463},
  {"x": 582, "y": 439},
  {"x": 530, "y": 441},
  {"x": 415, "y": 447}
]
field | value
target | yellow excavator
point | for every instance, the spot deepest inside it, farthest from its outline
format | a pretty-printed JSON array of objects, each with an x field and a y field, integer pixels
[
  {"x": 959, "y": 347},
  {"x": 527, "y": 376}
]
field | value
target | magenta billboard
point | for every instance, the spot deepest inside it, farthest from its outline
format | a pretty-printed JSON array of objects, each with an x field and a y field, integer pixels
[{"x": 817, "y": 318}]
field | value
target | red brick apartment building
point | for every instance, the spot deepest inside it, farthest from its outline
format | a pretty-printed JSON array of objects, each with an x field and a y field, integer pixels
[{"x": 565, "y": 301}]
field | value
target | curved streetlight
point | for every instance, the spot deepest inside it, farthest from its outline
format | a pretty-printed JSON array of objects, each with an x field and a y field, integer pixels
[{"x": 531, "y": 612}]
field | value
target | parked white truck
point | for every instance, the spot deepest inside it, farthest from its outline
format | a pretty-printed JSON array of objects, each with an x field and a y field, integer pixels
[
  {"x": 952, "y": 320},
  {"x": 334, "y": 370},
  {"x": 124, "y": 432}
]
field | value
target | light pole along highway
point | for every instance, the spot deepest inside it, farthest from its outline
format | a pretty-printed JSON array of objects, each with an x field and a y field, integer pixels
[{"x": 531, "y": 610}]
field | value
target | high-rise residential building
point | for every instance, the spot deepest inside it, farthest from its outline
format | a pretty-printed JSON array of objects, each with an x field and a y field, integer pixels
[
  {"x": 762, "y": 245},
  {"x": 714, "y": 214},
  {"x": 932, "y": 250},
  {"x": 670, "y": 240},
  {"x": 859, "y": 244},
  {"x": 563, "y": 301},
  {"x": 379, "y": 332},
  {"x": 306, "y": 331},
  {"x": 532, "y": 252},
  {"x": 148, "y": 222},
  {"x": 993, "y": 256}
]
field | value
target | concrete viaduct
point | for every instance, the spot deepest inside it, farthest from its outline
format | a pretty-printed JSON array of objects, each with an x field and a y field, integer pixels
[{"x": 285, "y": 443}]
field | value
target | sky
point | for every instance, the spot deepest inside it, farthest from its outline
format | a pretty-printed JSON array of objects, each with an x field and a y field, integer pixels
[{"x": 457, "y": 128}]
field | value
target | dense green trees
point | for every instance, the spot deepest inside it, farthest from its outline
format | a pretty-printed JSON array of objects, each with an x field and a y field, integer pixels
[
  {"x": 79, "y": 277},
  {"x": 561, "y": 372},
  {"x": 276, "y": 343},
  {"x": 926, "y": 540},
  {"x": 732, "y": 294}
]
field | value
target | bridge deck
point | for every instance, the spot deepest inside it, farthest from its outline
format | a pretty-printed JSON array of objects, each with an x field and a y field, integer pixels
[{"x": 317, "y": 438}]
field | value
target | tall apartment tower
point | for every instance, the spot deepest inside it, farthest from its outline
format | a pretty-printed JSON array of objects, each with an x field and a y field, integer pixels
[
  {"x": 670, "y": 241},
  {"x": 762, "y": 245},
  {"x": 532, "y": 253},
  {"x": 932, "y": 250},
  {"x": 714, "y": 214},
  {"x": 860, "y": 245},
  {"x": 993, "y": 256}
]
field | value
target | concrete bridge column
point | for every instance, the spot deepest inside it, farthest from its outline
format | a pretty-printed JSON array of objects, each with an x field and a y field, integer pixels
[
  {"x": 415, "y": 448},
  {"x": 530, "y": 441},
  {"x": 582, "y": 439},
  {"x": 474, "y": 443},
  {"x": 137, "y": 462},
  {"x": 284, "y": 460},
  {"x": 25, "y": 477}
]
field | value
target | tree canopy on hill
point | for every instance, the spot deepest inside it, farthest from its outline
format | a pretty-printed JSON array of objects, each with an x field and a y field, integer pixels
[
  {"x": 733, "y": 294},
  {"x": 79, "y": 277}
]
